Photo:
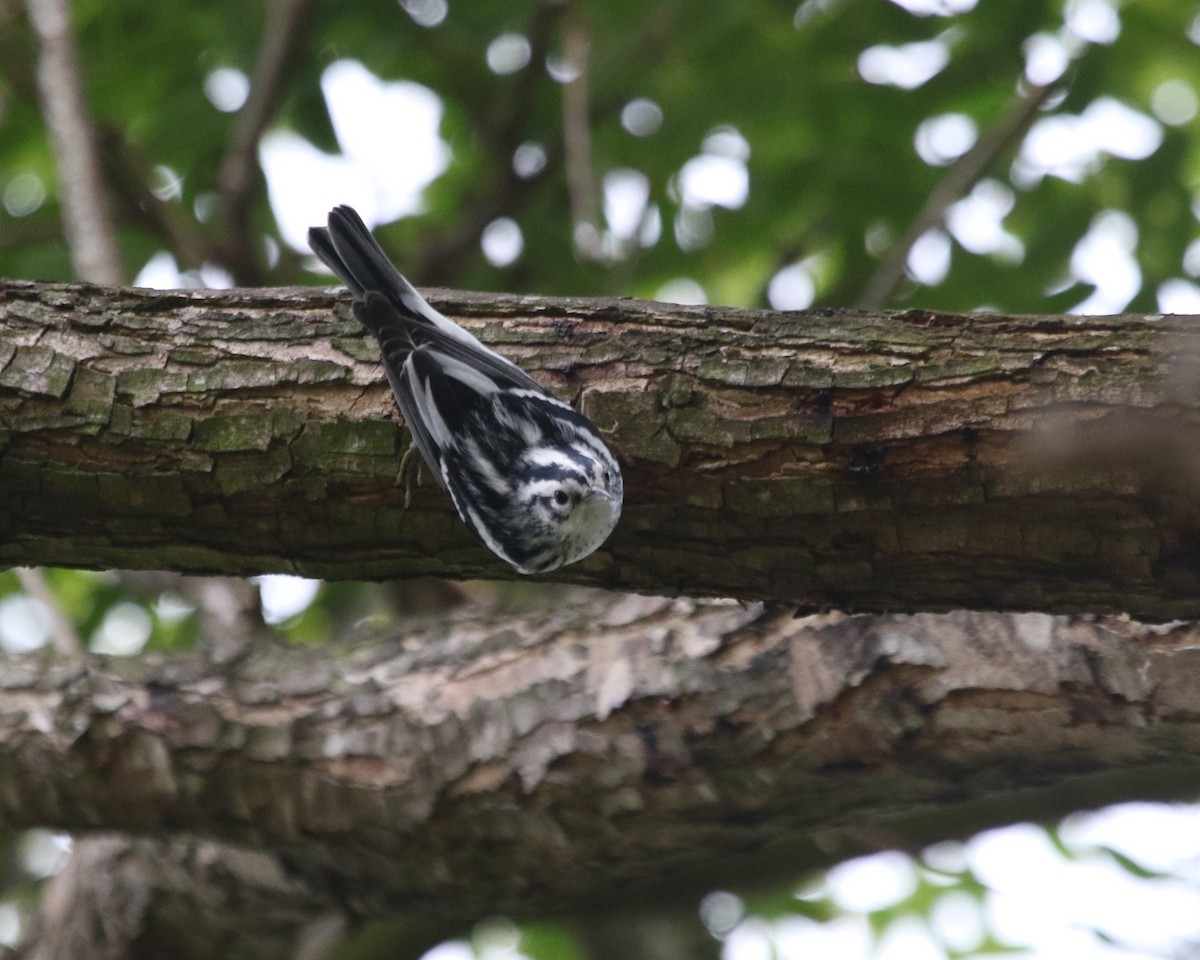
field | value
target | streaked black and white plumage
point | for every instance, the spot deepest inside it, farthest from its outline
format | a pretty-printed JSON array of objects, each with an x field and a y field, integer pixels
[{"x": 531, "y": 476}]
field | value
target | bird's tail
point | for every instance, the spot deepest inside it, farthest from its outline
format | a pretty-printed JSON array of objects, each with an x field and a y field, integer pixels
[{"x": 347, "y": 248}]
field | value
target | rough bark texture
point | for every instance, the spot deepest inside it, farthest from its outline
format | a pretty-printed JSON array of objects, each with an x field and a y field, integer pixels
[
  {"x": 620, "y": 751},
  {"x": 624, "y": 751},
  {"x": 910, "y": 461}
]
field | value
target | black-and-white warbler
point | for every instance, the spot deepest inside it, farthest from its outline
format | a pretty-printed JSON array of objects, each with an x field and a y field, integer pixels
[{"x": 532, "y": 477}]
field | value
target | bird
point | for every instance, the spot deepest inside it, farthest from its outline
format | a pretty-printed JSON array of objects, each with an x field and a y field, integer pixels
[{"x": 532, "y": 477}]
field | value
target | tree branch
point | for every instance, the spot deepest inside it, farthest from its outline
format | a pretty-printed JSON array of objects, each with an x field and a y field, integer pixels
[
  {"x": 240, "y": 171},
  {"x": 122, "y": 899},
  {"x": 615, "y": 749},
  {"x": 444, "y": 248},
  {"x": 959, "y": 178},
  {"x": 577, "y": 136},
  {"x": 170, "y": 222},
  {"x": 862, "y": 461},
  {"x": 91, "y": 236},
  {"x": 62, "y": 631}
]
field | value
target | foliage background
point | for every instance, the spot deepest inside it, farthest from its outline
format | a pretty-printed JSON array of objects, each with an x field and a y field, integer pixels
[{"x": 1016, "y": 155}]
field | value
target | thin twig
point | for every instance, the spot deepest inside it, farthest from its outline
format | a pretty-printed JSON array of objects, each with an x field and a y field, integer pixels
[
  {"x": 128, "y": 176},
  {"x": 959, "y": 178},
  {"x": 62, "y": 631},
  {"x": 239, "y": 170},
  {"x": 86, "y": 219},
  {"x": 443, "y": 252},
  {"x": 577, "y": 137}
]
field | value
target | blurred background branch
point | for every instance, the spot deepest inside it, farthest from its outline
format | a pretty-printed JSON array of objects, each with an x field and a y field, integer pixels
[
  {"x": 88, "y": 223},
  {"x": 239, "y": 178},
  {"x": 998, "y": 140}
]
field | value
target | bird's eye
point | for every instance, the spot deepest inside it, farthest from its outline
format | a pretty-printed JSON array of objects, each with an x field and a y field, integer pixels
[{"x": 561, "y": 498}]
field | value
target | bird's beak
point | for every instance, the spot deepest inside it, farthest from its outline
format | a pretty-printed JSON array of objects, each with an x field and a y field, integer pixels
[{"x": 601, "y": 493}]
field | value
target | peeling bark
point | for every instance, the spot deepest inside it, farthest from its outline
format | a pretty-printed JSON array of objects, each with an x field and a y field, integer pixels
[
  {"x": 617, "y": 753},
  {"x": 866, "y": 461}
]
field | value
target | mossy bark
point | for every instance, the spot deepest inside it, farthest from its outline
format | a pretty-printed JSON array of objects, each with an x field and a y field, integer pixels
[{"x": 872, "y": 462}]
